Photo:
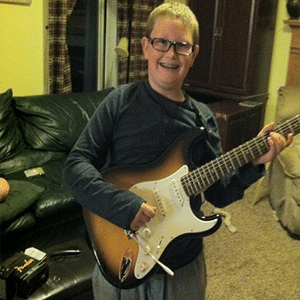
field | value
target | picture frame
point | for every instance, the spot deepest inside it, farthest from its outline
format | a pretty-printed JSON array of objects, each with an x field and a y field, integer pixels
[{"x": 20, "y": 2}]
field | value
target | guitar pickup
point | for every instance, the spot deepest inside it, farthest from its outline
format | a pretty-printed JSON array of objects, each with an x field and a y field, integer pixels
[
  {"x": 177, "y": 192},
  {"x": 160, "y": 203}
]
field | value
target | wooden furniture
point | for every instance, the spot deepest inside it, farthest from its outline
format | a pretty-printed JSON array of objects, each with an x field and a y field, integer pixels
[
  {"x": 236, "y": 43},
  {"x": 233, "y": 65},
  {"x": 293, "y": 74},
  {"x": 238, "y": 121}
]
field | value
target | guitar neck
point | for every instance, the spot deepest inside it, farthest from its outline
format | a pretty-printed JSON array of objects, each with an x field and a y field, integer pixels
[{"x": 201, "y": 178}]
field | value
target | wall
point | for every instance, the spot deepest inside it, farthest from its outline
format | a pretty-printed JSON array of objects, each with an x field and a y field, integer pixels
[
  {"x": 280, "y": 59},
  {"x": 23, "y": 48},
  {"x": 23, "y": 51}
]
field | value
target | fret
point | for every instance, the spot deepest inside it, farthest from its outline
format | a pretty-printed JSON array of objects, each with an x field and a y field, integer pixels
[
  {"x": 215, "y": 169},
  {"x": 290, "y": 127},
  {"x": 197, "y": 182},
  {"x": 280, "y": 131},
  {"x": 265, "y": 143},
  {"x": 239, "y": 162},
  {"x": 224, "y": 161},
  {"x": 200, "y": 179},
  {"x": 194, "y": 189},
  {"x": 187, "y": 189},
  {"x": 250, "y": 150},
  {"x": 205, "y": 173},
  {"x": 298, "y": 121},
  {"x": 244, "y": 154},
  {"x": 209, "y": 171},
  {"x": 190, "y": 187},
  {"x": 203, "y": 177},
  {"x": 258, "y": 146},
  {"x": 238, "y": 157},
  {"x": 232, "y": 163},
  {"x": 193, "y": 182},
  {"x": 235, "y": 159},
  {"x": 220, "y": 167}
]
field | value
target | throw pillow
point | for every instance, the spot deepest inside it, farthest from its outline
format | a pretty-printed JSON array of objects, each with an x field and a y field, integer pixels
[
  {"x": 22, "y": 195},
  {"x": 11, "y": 139}
]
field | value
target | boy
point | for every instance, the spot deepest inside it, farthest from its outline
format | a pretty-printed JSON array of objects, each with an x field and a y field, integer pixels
[{"x": 134, "y": 125}]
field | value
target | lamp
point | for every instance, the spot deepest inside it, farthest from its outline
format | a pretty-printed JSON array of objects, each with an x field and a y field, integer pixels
[{"x": 122, "y": 48}]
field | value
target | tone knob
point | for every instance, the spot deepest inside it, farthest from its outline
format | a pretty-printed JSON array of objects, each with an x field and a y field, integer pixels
[
  {"x": 147, "y": 233},
  {"x": 143, "y": 267}
]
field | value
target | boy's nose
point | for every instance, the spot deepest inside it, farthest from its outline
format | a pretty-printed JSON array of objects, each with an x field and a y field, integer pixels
[{"x": 172, "y": 49}]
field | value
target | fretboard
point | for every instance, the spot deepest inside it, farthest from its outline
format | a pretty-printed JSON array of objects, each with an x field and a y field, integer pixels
[{"x": 201, "y": 178}]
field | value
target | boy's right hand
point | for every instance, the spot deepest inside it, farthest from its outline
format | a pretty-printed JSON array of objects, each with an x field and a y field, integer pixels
[{"x": 144, "y": 215}]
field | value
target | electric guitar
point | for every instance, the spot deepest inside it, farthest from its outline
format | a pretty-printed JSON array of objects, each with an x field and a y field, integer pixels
[{"x": 126, "y": 258}]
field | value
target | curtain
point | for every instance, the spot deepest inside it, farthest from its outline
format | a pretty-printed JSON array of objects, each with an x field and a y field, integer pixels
[
  {"x": 59, "y": 65},
  {"x": 132, "y": 19}
]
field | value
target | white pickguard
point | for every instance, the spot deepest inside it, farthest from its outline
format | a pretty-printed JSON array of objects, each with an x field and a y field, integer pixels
[{"x": 173, "y": 218}]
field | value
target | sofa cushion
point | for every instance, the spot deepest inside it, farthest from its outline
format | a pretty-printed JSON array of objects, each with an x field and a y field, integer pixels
[
  {"x": 21, "y": 223},
  {"x": 22, "y": 194},
  {"x": 56, "y": 196},
  {"x": 54, "y": 122},
  {"x": 11, "y": 139},
  {"x": 290, "y": 159},
  {"x": 285, "y": 198},
  {"x": 27, "y": 159}
]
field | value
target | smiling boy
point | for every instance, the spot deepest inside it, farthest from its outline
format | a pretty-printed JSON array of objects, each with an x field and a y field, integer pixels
[
  {"x": 135, "y": 125},
  {"x": 167, "y": 70}
]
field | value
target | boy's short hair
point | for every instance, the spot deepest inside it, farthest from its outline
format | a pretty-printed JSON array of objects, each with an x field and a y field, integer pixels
[{"x": 176, "y": 10}]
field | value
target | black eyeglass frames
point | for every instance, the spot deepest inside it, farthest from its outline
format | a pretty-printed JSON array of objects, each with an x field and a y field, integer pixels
[{"x": 163, "y": 45}]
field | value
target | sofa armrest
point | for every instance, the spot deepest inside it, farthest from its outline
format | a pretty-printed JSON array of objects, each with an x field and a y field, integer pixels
[{"x": 290, "y": 159}]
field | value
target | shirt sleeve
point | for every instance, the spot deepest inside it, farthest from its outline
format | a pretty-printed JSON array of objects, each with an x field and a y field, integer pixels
[
  {"x": 85, "y": 161},
  {"x": 231, "y": 187}
]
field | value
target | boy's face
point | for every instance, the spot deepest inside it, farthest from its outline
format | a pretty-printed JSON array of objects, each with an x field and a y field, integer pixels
[{"x": 167, "y": 70}]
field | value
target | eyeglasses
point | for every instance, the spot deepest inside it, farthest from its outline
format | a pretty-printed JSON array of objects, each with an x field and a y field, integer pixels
[{"x": 163, "y": 45}]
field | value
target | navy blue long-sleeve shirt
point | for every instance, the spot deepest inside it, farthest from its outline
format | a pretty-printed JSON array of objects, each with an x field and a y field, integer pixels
[{"x": 134, "y": 125}]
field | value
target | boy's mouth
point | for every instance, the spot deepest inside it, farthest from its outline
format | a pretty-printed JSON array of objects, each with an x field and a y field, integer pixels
[{"x": 169, "y": 66}]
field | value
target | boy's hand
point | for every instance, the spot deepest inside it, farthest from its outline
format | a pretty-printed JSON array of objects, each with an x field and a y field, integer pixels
[
  {"x": 144, "y": 215},
  {"x": 276, "y": 143}
]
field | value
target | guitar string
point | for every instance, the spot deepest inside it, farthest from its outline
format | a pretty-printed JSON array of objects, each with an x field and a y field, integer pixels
[
  {"x": 198, "y": 179},
  {"x": 254, "y": 154},
  {"x": 225, "y": 165}
]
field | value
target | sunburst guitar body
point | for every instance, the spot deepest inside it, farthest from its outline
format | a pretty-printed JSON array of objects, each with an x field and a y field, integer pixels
[{"x": 126, "y": 258}]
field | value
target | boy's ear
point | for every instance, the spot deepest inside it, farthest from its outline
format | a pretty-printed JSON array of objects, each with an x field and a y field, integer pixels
[
  {"x": 145, "y": 45},
  {"x": 194, "y": 54}
]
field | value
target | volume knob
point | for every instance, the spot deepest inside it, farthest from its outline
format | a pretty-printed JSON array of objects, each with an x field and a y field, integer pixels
[
  {"x": 147, "y": 233},
  {"x": 143, "y": 267}
]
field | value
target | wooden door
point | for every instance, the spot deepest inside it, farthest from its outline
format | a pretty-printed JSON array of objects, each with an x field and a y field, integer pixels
[{"x": 226, "y": 45}]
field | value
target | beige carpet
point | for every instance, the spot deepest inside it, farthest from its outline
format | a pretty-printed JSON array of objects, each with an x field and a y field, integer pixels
[{"x": 259, "y": 261}]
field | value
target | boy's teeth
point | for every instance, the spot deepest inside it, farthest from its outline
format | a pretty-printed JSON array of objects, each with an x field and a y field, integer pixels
[{"x": 169, "y": 66}]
